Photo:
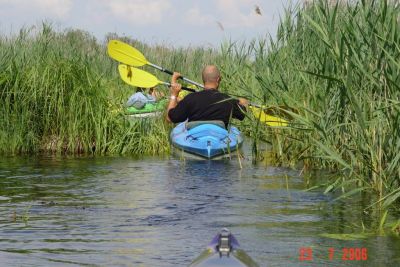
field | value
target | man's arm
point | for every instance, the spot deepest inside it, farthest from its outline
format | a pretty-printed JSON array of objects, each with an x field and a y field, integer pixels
[
  {"x": 239, "y": 108},
  {"x": 175, "y": 89}
]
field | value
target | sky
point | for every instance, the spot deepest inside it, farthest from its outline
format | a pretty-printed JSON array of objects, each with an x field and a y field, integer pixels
[{"x": 171, "y": 22}]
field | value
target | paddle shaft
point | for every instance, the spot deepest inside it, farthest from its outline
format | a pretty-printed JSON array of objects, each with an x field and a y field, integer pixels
[
  {"x": 273, "y": 120},
  {"x": 171, "y": 73},
  {"x": 183, "y": 88},
  {"x": 193, "y": 90},
  {"x": 189, "y": 81},
  {"x": 256, "y": 105}
]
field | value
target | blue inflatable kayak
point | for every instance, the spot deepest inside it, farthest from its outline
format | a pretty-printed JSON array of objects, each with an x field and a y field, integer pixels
[
  {"x": 223, "y": 251},
  {"x": 207, "y": 139}
]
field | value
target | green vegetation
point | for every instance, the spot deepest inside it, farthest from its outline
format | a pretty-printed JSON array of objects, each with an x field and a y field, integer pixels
[
  {"x": 59, "y": 92},
  {"x": 338, "y": 65},
  {"x": 335, "y": 66},
  {"x": 334, "y": 69}
]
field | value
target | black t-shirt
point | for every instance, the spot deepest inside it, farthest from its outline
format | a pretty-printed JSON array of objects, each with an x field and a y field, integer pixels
[{"x": 207, "y": 105}]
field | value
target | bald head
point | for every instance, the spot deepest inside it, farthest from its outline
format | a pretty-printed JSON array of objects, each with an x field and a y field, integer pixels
[{"x": 211, "y": 75}]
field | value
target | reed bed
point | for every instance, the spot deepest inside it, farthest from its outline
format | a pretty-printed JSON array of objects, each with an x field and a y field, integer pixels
[
  {"x": 336, "y": 65},
  {"x": 332, "y": 69},
  {"x": 61, "y": 93}
]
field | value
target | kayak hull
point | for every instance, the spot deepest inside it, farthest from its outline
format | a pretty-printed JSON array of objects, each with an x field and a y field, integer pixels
[
  {"x": 149, "y": 110},
  {"x": 224, "y": 250},
  {"x": 144, "y": 115},
  {"x": 207, "y": 139},
  {"x": 237, "y": 258}
]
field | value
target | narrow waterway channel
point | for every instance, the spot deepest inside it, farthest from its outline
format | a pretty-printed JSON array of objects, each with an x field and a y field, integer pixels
[{"x": 121, "y": 211}]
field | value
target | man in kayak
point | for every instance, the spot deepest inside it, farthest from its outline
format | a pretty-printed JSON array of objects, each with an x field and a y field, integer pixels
[{"x": 208, "y": 104}]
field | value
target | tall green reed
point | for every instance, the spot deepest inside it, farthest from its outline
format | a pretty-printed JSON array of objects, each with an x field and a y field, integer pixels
[
  {"x": 59, "y": 94},
  {"x": 337, "y": 64},
  {"x": 333, "y": 69}
]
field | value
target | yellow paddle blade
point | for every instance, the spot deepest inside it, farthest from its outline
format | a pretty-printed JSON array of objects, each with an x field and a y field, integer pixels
[
  {"x": 125, "y": 53},
  {"x": 137, "y": 77},
  {"x": 268, "y": 119}
]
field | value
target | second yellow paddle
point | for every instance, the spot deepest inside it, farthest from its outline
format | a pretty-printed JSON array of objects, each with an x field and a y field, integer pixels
[
  {"x": 129, "y": 55},
  {"x": 140, "y": 78}
]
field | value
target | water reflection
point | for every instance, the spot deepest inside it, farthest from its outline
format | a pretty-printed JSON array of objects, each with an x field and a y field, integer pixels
[{"x": 158, "y": 212}]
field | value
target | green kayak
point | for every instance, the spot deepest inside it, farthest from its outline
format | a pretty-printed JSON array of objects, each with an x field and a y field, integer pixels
[{"x": 149, "y": 110}]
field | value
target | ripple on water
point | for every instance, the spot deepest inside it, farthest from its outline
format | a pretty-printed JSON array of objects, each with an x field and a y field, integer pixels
[{"x": 154, "y": 212}]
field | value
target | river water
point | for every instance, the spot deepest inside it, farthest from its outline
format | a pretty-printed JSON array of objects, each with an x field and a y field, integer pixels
[{"x": 121, "y": 211}]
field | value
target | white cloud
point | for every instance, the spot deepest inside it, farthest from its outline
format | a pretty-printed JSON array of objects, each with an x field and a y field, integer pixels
[
  {"x": 239, "y": 13},
  {"x": 195, "y": 17},
  {"x": 50, "y": 8},
  {"x": 181, "y": 22},
  {"x": 142, "y": 12}
]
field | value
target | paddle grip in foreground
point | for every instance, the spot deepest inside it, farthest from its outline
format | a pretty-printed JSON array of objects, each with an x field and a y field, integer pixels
[
  {"x": 184, "y": 88},
  {"x": 189, "y": 89}
]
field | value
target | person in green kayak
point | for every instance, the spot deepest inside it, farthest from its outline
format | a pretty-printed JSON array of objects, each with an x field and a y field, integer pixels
[
  {"x": 143, "y": 96},
  {"x": 206, "y": 105}
]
